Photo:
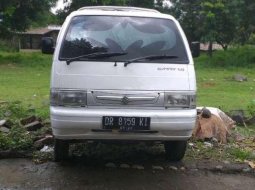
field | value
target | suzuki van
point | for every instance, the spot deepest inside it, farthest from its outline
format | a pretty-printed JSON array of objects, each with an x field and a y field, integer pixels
[{"x": 121, "y": 74}]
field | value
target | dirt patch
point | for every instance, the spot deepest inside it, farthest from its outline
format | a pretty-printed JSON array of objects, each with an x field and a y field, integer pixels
[{"x": 208, "y": 84}]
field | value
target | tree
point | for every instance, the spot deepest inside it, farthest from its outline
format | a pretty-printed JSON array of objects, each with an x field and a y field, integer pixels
[
  {"x": 19, "y": 14},
  {"x": 247, "y": 16},
  {"x": 76, "y": 4},
  {"x": 187, "y": 12},
  {"x": 221, "y": 20},
  {"x": 210, "y": 20}
]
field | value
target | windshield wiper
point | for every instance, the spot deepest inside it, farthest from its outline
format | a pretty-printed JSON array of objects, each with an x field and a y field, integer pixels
[
  {"x": 150, "y": 57},
  {"x": 95, "y": 55}
]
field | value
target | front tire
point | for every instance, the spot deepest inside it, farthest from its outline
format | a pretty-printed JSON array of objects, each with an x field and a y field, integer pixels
[
  {"x": 61, "y": 150},
  {"x": 175, "y": 150}
]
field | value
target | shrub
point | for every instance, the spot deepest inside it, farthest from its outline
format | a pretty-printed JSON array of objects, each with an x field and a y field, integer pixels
[
  {"x": 16, "y": 139},
  {"x": 9, "y": 45},
  {"x": 234, "y": 57},
  {"x": 252, "y": 39}
]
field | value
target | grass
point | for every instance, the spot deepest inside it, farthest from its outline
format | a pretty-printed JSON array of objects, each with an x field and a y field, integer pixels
[
  {"x": 26, "y": 77},
  {"x": 214, "y": 79},
  {"x": 217, "y": 89},
  {"x": 25, "y": 82}
]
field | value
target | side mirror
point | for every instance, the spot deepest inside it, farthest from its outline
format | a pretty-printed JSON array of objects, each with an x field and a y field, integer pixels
[
  {"x": 195, "y": 49},
  {"x": 47, "y": 45}
]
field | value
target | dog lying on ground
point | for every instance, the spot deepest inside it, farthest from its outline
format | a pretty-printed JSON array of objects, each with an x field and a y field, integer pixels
[{"x": 213, "y": 125}]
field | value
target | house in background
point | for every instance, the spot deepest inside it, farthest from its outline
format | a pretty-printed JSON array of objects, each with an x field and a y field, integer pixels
[{"x": 31, "y": 39}]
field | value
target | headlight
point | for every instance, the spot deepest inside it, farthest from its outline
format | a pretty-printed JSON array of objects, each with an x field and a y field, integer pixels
[
  {"x": 180, "y": 100},
  {"x": 68, "y": 98}
]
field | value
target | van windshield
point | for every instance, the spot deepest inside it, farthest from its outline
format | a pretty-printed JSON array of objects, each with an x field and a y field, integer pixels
[{"x": 136, "y": 36}]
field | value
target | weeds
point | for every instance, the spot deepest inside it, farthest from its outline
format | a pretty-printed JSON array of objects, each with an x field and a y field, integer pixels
[
  {"x": 251, "y": 108},
  {"x": 14, "y": 111},
  {"x": 17, "y": 138},
  {"x": 25, "y": 77}
]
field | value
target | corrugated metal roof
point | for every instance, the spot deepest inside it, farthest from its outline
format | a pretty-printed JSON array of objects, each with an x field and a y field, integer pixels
[{"x": 41, "y": 31}]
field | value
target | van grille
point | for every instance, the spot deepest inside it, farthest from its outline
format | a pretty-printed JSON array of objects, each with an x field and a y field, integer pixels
[{"x": 103, "y": 98}]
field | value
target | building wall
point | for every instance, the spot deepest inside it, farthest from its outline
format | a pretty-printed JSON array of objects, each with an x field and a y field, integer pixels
[{"x": 33, "y": 41}]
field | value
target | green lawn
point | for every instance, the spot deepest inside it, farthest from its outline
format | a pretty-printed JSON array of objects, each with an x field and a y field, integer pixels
[
  {"x": 216, "y": 87},
  {"x": 26, "y": 76}
]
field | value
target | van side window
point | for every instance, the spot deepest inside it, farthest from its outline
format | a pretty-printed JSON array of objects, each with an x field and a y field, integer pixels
[{"x": 137, "y": 36}]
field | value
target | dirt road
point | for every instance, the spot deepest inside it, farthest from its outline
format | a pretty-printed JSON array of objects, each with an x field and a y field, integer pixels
[{"x": 24, "y": 174}]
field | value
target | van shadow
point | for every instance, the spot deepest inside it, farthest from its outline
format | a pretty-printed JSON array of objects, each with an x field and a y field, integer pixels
[{"x": 101, "y": 154}]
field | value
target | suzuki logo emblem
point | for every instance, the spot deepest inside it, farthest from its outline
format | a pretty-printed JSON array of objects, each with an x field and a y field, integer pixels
[{"x": 125, "y": 100}]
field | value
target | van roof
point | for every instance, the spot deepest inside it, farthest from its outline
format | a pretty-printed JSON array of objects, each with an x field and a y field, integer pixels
[{"x": 118, "y": 8}]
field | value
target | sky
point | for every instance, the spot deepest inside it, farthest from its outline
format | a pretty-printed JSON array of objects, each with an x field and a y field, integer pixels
[{"x": 60, "y": 5}]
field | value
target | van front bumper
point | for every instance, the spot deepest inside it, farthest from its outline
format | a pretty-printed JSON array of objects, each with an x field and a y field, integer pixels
[{"x": 86, "y": 123}]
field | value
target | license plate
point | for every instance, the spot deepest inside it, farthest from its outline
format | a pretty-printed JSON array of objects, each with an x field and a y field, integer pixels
[{"x": 126, "y": 123}]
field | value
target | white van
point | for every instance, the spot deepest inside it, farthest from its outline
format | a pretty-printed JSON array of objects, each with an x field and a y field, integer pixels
[{"x": 124, "y": 74}]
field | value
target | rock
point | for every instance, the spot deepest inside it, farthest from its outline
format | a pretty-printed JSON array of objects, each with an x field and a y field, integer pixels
[
  {"x": 194, "y": 170},
  {"x": 208, "y": 145},
  {"x": 219, "y": 167},
  {"x": 4, "y": 130},
  {"x": 239, "y": 78},
  {"x": 246, "y": 170},
  {"x": 206, "y": 113},
  {"x": 138, "y": 167},
  {"x": 235, "y": 167},
  {"x": 34, "y": 126},
  {"x": 36, "y": 138},
  {"x": 173, "y": 168},
  {"x": 2, "y": 122},
  {"x": 28, "y": 120},
  {"x": 226, "y": 162},
  {"x": 110, "y": 165},
  {"x": 182, "y": 168},
  {"x": 157, "y": 168},
  {"x": 47, "y": 149},
  {"x": 191, "y": 144},
  {"x": 47, "y": 140},
  {"x": 124, "y": 166}
]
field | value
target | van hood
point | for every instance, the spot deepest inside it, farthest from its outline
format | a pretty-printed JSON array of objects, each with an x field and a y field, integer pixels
[{"x": 114, "y": 76}]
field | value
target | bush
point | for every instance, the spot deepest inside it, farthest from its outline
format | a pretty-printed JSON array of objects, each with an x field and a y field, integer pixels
[
  {"x": 9, "y": 45},
  {"x": 242, "y": 56},
  {"x": 252, "y": 39},
  {"x": 16, "y": 139},
  {"x": 35, "y": 59}
]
